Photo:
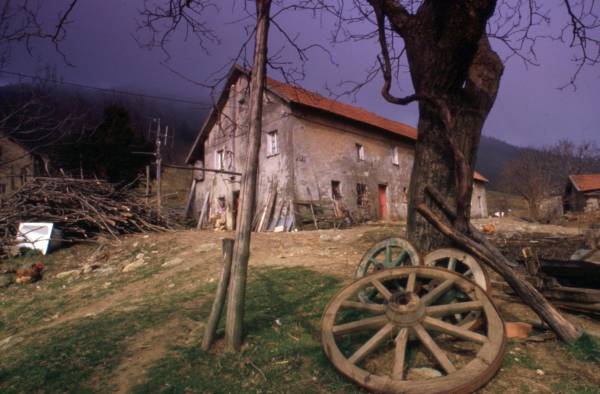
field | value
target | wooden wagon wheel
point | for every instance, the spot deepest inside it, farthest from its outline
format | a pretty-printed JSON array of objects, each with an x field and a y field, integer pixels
[
  {"x": 466, "y": 265},
  {"x": 383, "y": 347},
  {"x": 389, "y": 253},
  {"x": 460, "y": 262}
]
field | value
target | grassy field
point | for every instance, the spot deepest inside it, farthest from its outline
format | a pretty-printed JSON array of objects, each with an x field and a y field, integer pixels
[{"x": 141, "y": 331}]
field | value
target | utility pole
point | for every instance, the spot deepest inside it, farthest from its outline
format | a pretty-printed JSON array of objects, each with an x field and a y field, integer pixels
[{"x": 158, "y": 168}]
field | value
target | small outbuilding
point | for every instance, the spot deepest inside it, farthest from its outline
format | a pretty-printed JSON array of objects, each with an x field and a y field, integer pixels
[
  {"x": 18, "y": 162},
  {"x": 582, "y": 193}
]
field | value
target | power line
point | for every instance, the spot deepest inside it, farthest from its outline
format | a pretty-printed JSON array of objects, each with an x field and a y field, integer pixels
[{"x": 105, "y": 90}]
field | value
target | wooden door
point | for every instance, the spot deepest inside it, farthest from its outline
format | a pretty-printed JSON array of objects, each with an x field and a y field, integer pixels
[{"x": 383, "y": 214}]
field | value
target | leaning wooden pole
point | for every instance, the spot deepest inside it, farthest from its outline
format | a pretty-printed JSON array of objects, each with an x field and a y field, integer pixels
[
  {"x": 241, "y": 252},
  {"x": 219, "y": 302},
  {"x": 564, "y": 329}
]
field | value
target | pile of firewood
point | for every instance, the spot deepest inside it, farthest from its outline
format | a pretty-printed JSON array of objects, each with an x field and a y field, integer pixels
[{"x": 81, "y": 209}]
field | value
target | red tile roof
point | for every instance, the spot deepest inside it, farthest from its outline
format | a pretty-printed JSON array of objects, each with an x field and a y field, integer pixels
[
  {"x": 586, "y": 182},
  {"x": 310, "y": 99},
  {"x": 478, "y": 177}
]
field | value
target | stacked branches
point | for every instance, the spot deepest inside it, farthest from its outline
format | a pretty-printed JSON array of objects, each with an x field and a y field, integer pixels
[{"x": 81, "y": 209}]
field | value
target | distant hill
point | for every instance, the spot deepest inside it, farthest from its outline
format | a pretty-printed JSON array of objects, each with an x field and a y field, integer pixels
[{"x": 492, "y": 157}]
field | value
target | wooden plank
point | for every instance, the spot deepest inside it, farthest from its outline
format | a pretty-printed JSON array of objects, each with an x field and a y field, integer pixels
[
  {"x": 219, "y": 302},
  {"x": 190, "y": 199},
  {"x": 203, "y": 212}
]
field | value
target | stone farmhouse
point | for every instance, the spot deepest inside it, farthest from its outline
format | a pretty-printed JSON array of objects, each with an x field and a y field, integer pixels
[
  {"x": 312, "y": 149},
  {"x": 17, "y": 163},
  {"x": 582, "y": 193}
]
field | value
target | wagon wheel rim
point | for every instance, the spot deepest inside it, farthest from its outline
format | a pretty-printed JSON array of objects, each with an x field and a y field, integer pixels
[
  {"x": 458, "y": 261},
  {"x": 407, "y": 319},
  {"x": 463, "y": 263},
  {"x": 389, "y": 253}
]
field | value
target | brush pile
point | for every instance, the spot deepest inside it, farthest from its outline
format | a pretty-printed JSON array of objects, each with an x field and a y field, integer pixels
[{"x": 82, "y": 209}]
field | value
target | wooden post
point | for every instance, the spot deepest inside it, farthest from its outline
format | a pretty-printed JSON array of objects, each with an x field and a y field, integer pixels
[
  {"x": 147, "y": 183},
  {"x": 217, "y": 307},
  {"x": 241, "y": 253}
]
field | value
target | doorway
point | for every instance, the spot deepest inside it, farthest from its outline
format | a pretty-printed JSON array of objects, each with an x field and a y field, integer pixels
[{"x": 383, "y": 213}]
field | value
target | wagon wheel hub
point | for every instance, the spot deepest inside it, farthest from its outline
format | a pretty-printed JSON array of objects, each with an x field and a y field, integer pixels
[{"x": 405, "y": 309}]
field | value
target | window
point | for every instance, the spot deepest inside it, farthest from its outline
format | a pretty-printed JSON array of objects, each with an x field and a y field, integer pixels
[
  {"x": 336, "y": 194},
  {"x": 395, "y": 156},
  {"x": 361, "y": 195},
  {"x": 2, "y": 188},
  {"x": 360, "y": 152},
  {"x": 219, "y": 158},
  {"x": 272, "y": 148}
]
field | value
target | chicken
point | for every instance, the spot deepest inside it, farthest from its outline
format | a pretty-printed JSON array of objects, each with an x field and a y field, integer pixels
[{"x": 31, "y": 274}]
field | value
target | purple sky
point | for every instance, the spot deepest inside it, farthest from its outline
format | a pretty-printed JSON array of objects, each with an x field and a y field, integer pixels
[{"x": 530, "y": 110}]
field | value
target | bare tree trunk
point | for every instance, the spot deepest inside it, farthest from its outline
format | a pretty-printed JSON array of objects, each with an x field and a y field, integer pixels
[{"x": 241, "y": 252}]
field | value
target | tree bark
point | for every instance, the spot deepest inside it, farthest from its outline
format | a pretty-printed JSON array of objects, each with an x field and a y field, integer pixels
[
  {"x": 241, "y": 252},
  {"x": 447, "y": 141}
]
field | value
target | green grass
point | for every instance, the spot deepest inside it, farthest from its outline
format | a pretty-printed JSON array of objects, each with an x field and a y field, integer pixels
[
  {"x": 80, "y": 356},
  {"x": 571, "y": 386},
  {"x": 587, "y": 348},
  {"x": 286, "y": 358}
]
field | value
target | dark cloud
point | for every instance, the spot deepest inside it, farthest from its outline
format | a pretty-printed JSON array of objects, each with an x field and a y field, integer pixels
[{"x": 530, "y": 109}]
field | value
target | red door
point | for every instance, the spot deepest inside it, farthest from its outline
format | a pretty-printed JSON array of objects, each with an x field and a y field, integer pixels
[{"x": 382, "y": 202}]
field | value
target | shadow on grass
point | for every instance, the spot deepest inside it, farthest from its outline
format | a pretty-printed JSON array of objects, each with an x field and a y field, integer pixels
[
  {"x": 282, "y": 349},
  {"x": 79, "y": 356}
]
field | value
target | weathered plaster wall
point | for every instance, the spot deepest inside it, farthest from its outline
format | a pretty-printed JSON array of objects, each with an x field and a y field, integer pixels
[
  {"x": 231, "y": 136},
  {"x": 479, "y": 207},
  {"x": 325, "y": 151}
]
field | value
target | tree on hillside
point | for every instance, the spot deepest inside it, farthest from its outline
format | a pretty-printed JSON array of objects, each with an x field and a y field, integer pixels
[
  {"x": 107, "y": 151},
  {"x": 530, "y": 176},
  {"x": 536, "y": 174}
]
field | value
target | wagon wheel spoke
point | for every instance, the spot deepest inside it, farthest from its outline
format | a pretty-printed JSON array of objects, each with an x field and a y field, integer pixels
[
  {"x": 455, "y": 331},
  {"x": 433, "y": 348},
  {"x": 411, "y": 281},
  {"x": 400, "y": 354},
  {"x": 400, "y": 258},
  {"x": 378, "y": 266},
  {"x": 388, "y": 256},
  {"x": 452, "y": 264},
  {"x": 438, "y": 291},
  {"x": 360, "y": 325},
  {"x": 375, "y": 308},
  {"x": 449, "y": 309},
  {"x": 372, "y": 344},
  {"x": 382, "y": 289}
]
